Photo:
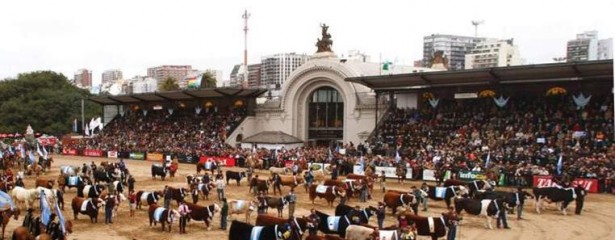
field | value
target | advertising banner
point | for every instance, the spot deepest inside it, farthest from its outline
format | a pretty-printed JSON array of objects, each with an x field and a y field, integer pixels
[
  {"x": 92, "y": 153},
  {"x": 591, "y": 185},
  {"x": 69, "y": 151},
  {"x": 112, "y": 154},
  {"x": 223, "y": 161},
  {"x": 429, "y": 175},
  {"x": 137, "y": 156},
  {"x": 157, "y": 157},
  {"x": 471, "y": 175},
  {"x": 320, "y": 166}
]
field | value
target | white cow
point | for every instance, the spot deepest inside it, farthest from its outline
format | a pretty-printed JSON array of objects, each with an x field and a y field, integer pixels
[
  {"x": 26, "y": 196},
  {"x": 50, "y": 195}
]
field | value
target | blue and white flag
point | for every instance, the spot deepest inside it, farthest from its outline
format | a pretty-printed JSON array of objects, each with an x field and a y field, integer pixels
[
  {"x": 22, "y": 150},
  {"x": 75, "y": 125},
  {"x": 11, "y": 150},
  {"x": 362, "y": 162},
  {"x": 330, "y": 155},
  {"x": 397, "y": 157},
  {"x": 337, "y": 149},
  {"x": 45, "y": 153},
  {"x": 560, "y": 164},
  {"x": 60, "y": 218},
  {"x": 38, "y": 150},
  {"x": 488, "y": 159},
  {"x": 31, "y": 157},
  {"x": 45, "y": 209}
]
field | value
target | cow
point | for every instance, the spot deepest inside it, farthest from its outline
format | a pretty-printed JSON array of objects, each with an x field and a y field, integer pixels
[
  {"x": 357, "y": 232},
  {"x": 241, "y": 207},
  {"x": 242, "y": 231},
  {"x": 148, "y": 197},
  {"x": 277, "y": 202},
  {"x": 72, "y": 181},
  {"x": 101, "y": 175},
  {"x": 159, "y": 170},
  {"x": 192, "y": 179},
  {"x": 260, "y": 185},
  {"x": 473, "y": 187},
  {"x": 333, "y": 224},
  {"x": 347, "y": 185},
  {"x": 368, "y": 179},
  {"x": 119, "y": 186},
  {"x": 66, "y": 170},
  {"x": 435, "y": 227},
  {"x": 366, "y": 213},
  {"x": 50, "y": 194},
  {"x": 319, "y": 175},
  {"x": 203, "y": 213},
  {"x": 299, "y": 225},
  {"x": 90, "y": 191},
  {"x": 557, "y": 195},
  {"x": 23, "y": 195},
  {"x": 161, "y": 215},
  {"x": 488, "y": 208},
  {"x": 279, "y": 170},
  {"x": 43, "y": 182},
  {"x": 508, "y": 197},
  {"x": 394, "y": 199},
  {"x": 449, "y": 193},
  {"x": 178, "y": 194},
  {"x": 87, "y": 206},
  {"x": 327, "y": 192},
  {"x": 292, "y": 181},
  {"x": 204, "y": 189},
  {"x": 237, "y": 176}
]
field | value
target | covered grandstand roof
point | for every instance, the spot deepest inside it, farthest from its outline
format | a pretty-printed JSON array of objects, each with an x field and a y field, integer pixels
[
  {"x": 573, "y": 71},
  {"x": 177, "y": 95},
  {"x": 273, "y": 137}
]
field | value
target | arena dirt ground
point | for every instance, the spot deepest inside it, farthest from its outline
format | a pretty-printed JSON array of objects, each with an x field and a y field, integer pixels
[{"x": 596, "y": 222}]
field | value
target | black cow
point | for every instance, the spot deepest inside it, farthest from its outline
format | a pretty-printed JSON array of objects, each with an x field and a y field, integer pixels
[
  {"x": 563, "y": 195},
  {"x": 488, "y": 208},
  {"x": 90, "y": 191},
  {"x": 366, "y": 213},
  {"x": 451, "y": 192},
  {"x": 343, "y": 223},
  {"x": 508, "y": 197},
  {"x": 242, "y": 231},
  {"x": 102, "y": 175},
  {"x": 234, "y": 175},
  {"x": 158, "y": 170}
]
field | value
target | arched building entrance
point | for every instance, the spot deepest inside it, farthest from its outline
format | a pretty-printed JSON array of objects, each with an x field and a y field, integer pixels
[{"x": 325, "y": 116}]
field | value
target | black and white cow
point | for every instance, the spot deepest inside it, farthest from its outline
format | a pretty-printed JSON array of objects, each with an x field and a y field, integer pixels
[
  {"x": 234, "y": 175},
  {"x": 561, "y": 196},
  {"x": 451, "y": 192},
  {"x": 242, "y": 231},
  {"x": 90, "y": 191},
  {"x": 508, "y": 197},
  {"x": 324, "y": 226},
  {"x": 488, "y": 208}
]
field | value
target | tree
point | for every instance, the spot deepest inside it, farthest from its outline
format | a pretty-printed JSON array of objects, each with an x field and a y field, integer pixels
[
  {"x": 208, "y": 80},
  {"x": 168, "y": 84},
  {"x": 46, "y": 100}
]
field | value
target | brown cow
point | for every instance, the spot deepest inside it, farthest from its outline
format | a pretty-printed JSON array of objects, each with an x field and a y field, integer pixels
[
  {"x": 292, "y": 181},
  {"x": 364, "y": 178},
  {"x": 437, "y": 228},
  {"x": 44, "y": 182},
  {"x": 202, "y": 213},
  {"x": 91, "y": 207},
  {"x": 351, "y": 186},
  {"x": 330, "y": 193},
  {"x": 394, "y": 199},
  {"x": 241, "y": 207},
  {"x": 260, "y": 184},
  {"x": 166, "y": 216}
]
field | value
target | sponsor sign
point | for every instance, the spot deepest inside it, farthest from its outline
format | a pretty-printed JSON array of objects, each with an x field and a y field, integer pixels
[
  {"x": 471, "y": 175},
  {"x": 155, "y": 157},
  {"x": 112, "y": 154},
  {"x": 320, "y": 166},
  {"x": 591, "y": 185},
  {"x": 465, "y": 95},
  {"x": 92, "y": 153},
  {"x": 357, "y": 169},
  {"x": 429, "y": 175},
  {"x": 391, "y": 172},
  {"x": 69, "y": 151},
  {"x": 137, "y": 156},
  {"x": 222, "y": 161}
]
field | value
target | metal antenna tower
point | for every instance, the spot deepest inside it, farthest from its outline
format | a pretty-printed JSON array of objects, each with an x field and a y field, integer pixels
[
  {"x": 245, "y": 17},
  {"x": 476, "y": 23}
]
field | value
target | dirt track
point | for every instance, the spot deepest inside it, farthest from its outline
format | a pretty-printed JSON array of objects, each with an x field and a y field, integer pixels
[{"x": 596, "y": 222}]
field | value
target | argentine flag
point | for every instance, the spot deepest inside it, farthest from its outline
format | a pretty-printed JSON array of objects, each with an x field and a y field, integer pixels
[
  {"x": 60, "y": 218},
  {"x": 362, "y": 162},
  {"x": 560, "y": 164},
  {"x": 31, "y": 157},
  {"x": 397, "y": 157},
  {"x": 45, "y": 209},
  {"x": 488, "y": 159}
]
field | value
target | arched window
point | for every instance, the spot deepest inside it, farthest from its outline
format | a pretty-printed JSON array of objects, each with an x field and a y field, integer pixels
[{"x": 326, "y": 114}]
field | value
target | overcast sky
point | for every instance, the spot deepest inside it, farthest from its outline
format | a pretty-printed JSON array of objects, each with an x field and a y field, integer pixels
[{"x": 64, "y": 36}]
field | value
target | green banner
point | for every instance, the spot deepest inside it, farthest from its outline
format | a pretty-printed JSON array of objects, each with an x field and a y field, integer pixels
[
  {"x": 137, "y": 156},
  {"x": 471, "y": 175}
]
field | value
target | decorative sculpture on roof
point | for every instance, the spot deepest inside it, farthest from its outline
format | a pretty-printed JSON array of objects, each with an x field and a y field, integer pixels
[
  {"x": 439, "y": 61},
  {"x": 324, "y": 43}
]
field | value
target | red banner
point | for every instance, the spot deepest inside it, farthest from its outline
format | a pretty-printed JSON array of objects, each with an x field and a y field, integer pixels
[
  {"x": 92, "y": 153},
  {"x": 223, "y": 161},
  {"x": 67, "y": 151},
  {"x": 112, "y": 154},
  {"x": 591, "y": 185}
]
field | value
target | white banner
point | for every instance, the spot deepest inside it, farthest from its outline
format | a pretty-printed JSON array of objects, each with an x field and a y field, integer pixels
[
  {"x": 391, "y": 172},
  {"x": 112, "y": 154},
  {"x": 320, "y": 166},
  {"x": 429, "y": 175}
]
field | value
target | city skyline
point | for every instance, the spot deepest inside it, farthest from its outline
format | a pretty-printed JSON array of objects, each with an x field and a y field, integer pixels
[{"x": 56, "y": 36}]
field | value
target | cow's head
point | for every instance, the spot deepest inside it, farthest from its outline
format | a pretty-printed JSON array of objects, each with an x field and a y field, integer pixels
[
  {"x": 340, "y": 192},
  {"x": 216, "y": 207},
  {"x": 461, "y": 191}
]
